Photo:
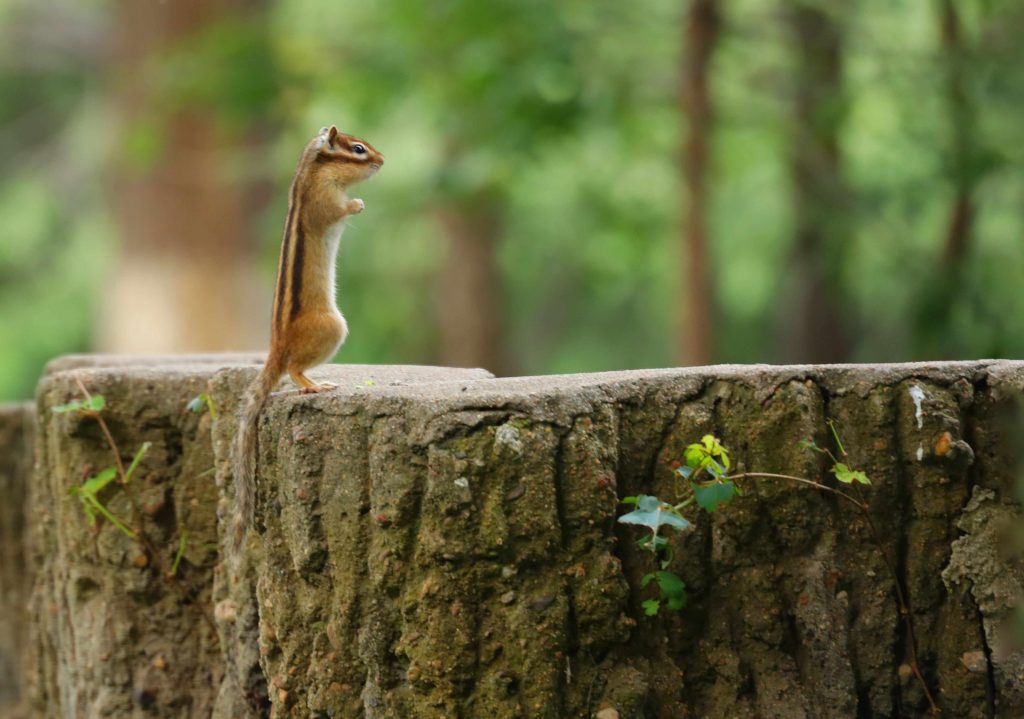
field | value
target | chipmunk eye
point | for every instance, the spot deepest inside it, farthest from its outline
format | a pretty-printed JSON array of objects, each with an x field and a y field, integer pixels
[{"x": 358, "y": 149}]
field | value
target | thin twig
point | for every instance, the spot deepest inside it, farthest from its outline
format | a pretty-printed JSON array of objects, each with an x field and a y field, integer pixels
[{"x": 802, "y": 480}]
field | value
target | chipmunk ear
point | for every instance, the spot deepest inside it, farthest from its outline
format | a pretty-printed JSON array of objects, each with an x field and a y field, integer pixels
[{"x": 332, "y": 134}]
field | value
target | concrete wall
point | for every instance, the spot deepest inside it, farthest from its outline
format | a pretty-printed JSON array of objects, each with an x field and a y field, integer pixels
[{"x": 439, "y": 543}]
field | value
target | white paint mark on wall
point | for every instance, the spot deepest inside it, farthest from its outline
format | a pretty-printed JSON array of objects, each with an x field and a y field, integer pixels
[{"x": 917, "y": 394}]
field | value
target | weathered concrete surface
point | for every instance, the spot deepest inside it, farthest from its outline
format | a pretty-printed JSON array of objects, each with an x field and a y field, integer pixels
[
  {"x": 450, "y": 549},
  {"x": 15, "y": 576},
  {"x": 436, "y": 543},
  {"x": 115, "y": 636},
  {"x": 244, "y": 691}
]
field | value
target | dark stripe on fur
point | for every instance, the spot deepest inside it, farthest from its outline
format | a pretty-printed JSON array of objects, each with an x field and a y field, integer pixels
[
  {"x": 298, "y": 257},
  {"x": 282, "y": 267}
]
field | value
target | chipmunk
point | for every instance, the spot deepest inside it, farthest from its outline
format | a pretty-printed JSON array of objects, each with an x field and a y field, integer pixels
[{"x": 307, "y": 327}]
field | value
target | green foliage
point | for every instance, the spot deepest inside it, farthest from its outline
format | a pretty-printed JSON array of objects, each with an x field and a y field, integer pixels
[
  {"x": 673, "y": 592},
  {"x": 135, "y": 461},
  {"x": 88, "y": 493},
  {"x": 847, "y": 476},
  {"x": 94, "y": 403},
  {"x": 653, "y": 513},
  {"x": 706, "y": 481},
  {"x": 713, "y": 494}
]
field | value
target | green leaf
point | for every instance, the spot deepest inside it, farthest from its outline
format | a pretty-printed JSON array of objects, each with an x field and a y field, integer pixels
[
  {"x": 69, "y": 407},
  {"x": 708, "y": 454},
  {"x": 685, "y": 471},
  {"x": 90, "y": 500},
  {"x": 651, "y": 607},
  {"x": 694, "y": 456},
  {"x": 135, "y": 461},
  {"x": 847, "y": 476},
  {"x": 672, "y": 588},
  {"x": 652, "y": 512},
  {"x": 710, "y": 496},
  {"x": 96, "y": 483},
  {"x": 95, "y": 403},
  {"x": 627, "y": 500}
]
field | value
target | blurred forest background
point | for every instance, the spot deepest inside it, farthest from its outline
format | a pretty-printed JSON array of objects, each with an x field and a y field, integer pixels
[{"x": 570, "y": 186}]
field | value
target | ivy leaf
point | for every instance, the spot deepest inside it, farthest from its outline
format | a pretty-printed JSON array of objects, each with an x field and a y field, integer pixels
[
  {"x": 685, "y": 471},
  {"x": 653, "y": 513},
  {"x": 672, "y": 588},
  {"x": 710, "y": 496},
  {"x": 708, "y": 454},
  {"x": 847, "y": 476},
  {"x": 627, "y": 500},
  {"x": 651, "y": 607}
]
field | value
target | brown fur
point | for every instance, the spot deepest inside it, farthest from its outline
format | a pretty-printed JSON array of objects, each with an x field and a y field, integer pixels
[{"x": 307, "y": 327}]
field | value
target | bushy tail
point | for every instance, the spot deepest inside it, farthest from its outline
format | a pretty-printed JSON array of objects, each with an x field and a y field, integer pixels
[{"x": 243, "y": 453}]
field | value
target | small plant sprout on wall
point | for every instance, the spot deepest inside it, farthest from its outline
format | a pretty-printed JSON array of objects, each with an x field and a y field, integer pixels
[
  {"x": 89, "y": 492},
  {"x": 704, "y": 479}
]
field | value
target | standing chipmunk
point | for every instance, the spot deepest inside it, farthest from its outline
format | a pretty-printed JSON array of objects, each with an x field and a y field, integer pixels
[{"x": 307, "y": 326}]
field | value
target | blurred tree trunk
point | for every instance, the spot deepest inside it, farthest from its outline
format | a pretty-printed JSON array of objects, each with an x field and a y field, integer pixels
[
  {"x": 695, "y": 338},
  {"x": 939, "y": 295},
  {"x": 815, "y": 327},
  {"x": 470, "y": 308},
  {"x": 186, "y": 279},
  {"x": 961, "y": 115}
]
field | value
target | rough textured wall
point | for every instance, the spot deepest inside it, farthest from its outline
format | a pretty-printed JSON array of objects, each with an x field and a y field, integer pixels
[
  {"x": 115, "y": 635},
  {"x": 451, "y": 550},
  {"x": 15, "y": 577},
  {"x": 436, "y": 543}
]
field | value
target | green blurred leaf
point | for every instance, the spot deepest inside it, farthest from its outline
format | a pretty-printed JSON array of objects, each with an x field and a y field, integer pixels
[
  {"x": 97, "y": 482},
  {"x": 847, "y": 476},
  {"x": 671, "y": 586},
  {"x": 713, "y": 494},
  {"x": 95, "y": 403},
  {"x": 135, "y": 461}
]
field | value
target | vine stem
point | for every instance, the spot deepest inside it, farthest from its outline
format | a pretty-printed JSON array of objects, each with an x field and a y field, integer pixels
[
  {"x": 901, "y": 597},
  {"x": 802, "y": 480}
]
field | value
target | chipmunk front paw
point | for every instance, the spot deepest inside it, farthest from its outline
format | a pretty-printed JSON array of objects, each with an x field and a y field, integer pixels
[{"x": 354, "y": 207}]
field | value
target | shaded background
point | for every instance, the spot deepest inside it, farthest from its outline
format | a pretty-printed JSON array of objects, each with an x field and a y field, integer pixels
[{"x": 570, "y": 186}]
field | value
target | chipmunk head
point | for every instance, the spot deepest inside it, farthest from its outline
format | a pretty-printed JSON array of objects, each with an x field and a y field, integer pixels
[{"x": 343, "y": 159}]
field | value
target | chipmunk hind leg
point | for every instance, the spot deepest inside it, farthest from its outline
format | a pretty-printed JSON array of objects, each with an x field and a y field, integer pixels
[{"x": 315, "y": 338}]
